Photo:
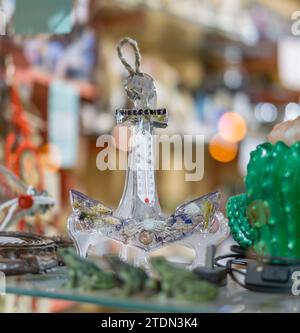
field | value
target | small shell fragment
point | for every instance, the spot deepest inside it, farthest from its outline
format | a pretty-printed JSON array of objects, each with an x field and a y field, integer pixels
[{"x": 146, "y": 237}]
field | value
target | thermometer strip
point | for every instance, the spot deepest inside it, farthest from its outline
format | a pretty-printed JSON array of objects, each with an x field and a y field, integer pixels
[{"x": 144, "y": 164}]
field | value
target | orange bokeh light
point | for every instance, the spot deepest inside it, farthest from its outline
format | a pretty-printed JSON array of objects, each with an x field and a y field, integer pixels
[
  {"x": 222, "y": 150},
  {"x": 232, "y": 127}
]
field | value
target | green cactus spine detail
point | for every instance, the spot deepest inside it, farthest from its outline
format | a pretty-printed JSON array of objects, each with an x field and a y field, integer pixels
[
  {"x": 241, "y": 230},
  {"x": 270, "y": 209}
]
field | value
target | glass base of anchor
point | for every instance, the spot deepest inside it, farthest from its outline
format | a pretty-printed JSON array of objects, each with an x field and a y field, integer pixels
[{"x": 195, "y": 224}]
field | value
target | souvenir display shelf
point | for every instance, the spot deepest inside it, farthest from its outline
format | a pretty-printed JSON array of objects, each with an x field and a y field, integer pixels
[{"x": 231, "y": 298}]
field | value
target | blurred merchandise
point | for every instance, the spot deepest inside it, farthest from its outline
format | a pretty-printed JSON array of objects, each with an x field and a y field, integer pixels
[
  {"x": 53, "y": 17},
  {"x": 288, "y": 55},
  {"x": 23, "y": 253},
  {"x": 227, "y": 80},
  {"x": 21, "y": 154},
  {"x": 63, "y": 115},
  {"x": 131, "y": 280},
  {"x": 19, "y": 201}
]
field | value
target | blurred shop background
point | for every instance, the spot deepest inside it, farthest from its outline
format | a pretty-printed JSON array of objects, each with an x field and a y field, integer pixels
[{"x": 226, "y": 69}]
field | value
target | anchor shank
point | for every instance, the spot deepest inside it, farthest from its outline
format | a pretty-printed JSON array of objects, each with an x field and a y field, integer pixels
[{"x": 140, "y": 199}]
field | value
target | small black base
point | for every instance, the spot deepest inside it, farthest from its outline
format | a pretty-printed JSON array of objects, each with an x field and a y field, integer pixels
[
  {"x": 272, "y": 278},
  {"x": 217, "y": 275}
]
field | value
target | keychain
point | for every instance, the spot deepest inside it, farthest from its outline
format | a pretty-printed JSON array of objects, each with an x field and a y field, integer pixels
[{"x": 18, "y": 200}]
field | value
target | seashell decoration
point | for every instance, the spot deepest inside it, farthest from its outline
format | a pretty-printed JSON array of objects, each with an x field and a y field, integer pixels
[{"x": 287, "y": 132}]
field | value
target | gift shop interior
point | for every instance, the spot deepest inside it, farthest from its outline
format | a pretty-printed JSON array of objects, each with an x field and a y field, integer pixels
[{"x": 149, "y": 156}]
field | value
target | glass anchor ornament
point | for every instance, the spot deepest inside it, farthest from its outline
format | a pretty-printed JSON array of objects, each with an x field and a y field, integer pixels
[{"x": 138, "y": 223}]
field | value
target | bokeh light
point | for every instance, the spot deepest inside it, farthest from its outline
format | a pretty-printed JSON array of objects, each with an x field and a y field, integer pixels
[
  {"x": 222, "y": 150},
  {"x": 265, "y": 112},
  {"x": 292, "y": 111},
  {"x": 232, "y": 127},
  {"x": 233, "y": 78}
]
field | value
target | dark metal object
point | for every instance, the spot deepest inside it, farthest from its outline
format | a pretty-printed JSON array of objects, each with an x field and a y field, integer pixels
[
  {"x": 215, "y": 275},
  {"x": 62, "y": 241},
  {"x": 28, "y": 252},
  {"x": 157, "y": 117},
  {"x": 270, "y": 278}
]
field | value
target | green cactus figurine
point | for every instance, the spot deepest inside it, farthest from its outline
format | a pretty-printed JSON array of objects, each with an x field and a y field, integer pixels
[{"x": 267, "y": 217}]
